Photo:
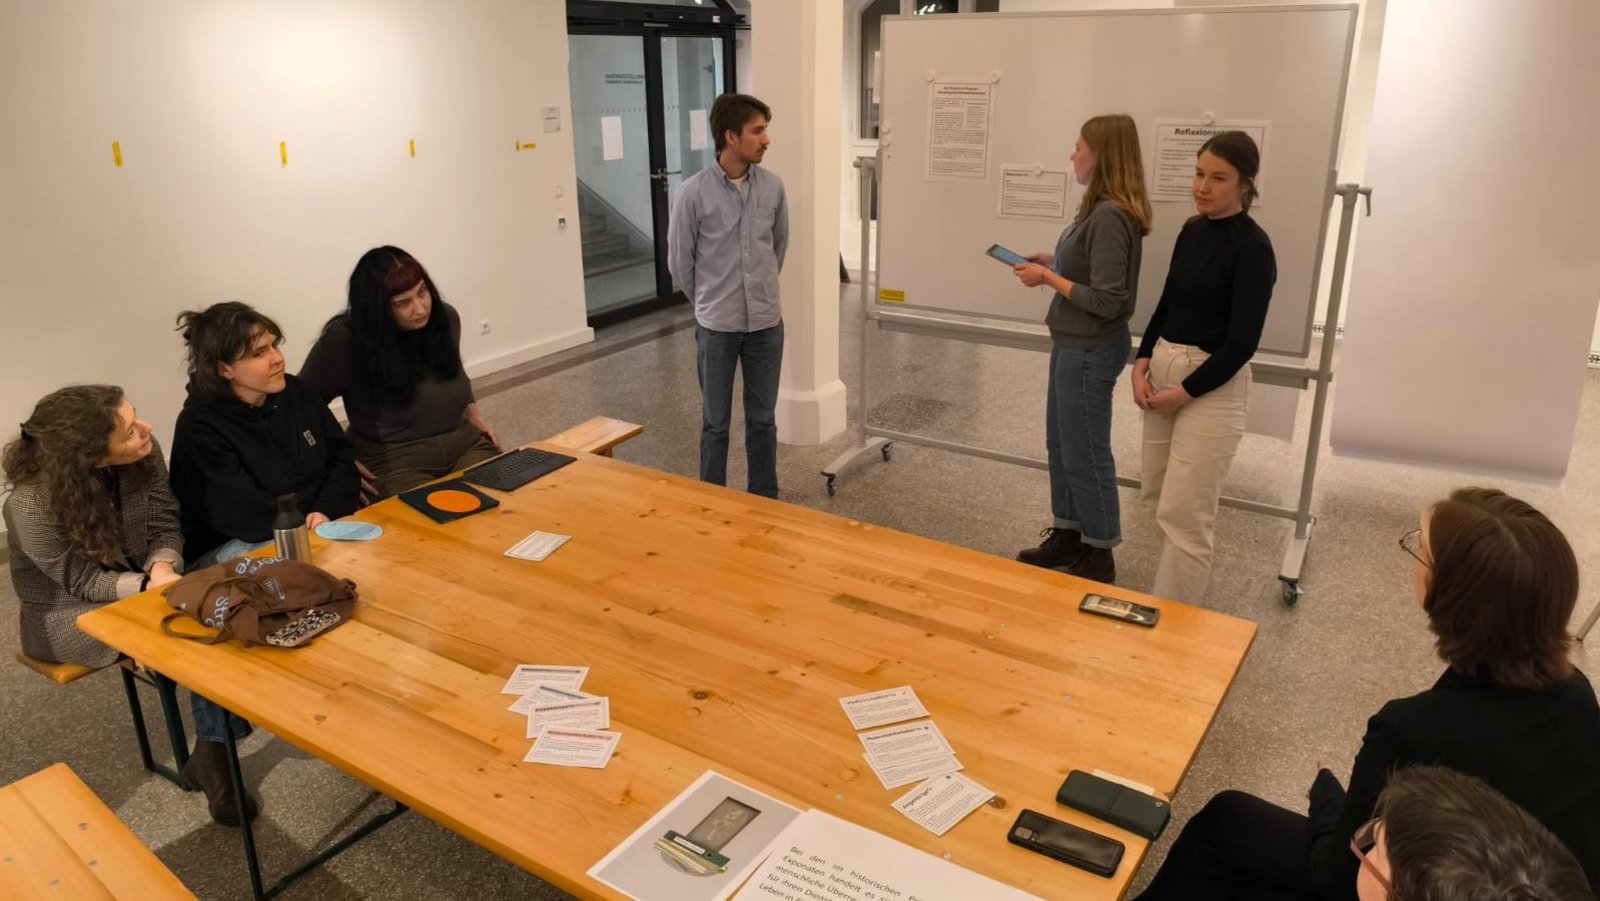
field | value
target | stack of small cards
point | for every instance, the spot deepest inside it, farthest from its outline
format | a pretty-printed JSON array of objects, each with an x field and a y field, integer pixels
[
  {"x": 911, "y": 752},
  {"x": 537, "y": 546},
  {"x": 565, "y": 723}
]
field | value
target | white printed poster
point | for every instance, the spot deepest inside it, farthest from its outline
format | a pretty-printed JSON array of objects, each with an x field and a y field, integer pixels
[
  {"x": 959, "y": 114},
  {"x": 698, "y": 132},
  {"x": 1032, "y": 192},
  {"x": 821, "y": 856},
  {"x": 611, "y": 138},
  {"x": 1177, "y": 143}
]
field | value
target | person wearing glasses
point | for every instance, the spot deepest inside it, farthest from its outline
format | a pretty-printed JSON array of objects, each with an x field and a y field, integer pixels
[
  {"x": 1443, "y": 836},
  {"x": 1498, "y": 582}
]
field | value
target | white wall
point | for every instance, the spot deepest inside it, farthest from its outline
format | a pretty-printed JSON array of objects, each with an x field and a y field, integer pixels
[
  {"x": 95, "y": 261},
  {"x": 1477, "y": 279}
]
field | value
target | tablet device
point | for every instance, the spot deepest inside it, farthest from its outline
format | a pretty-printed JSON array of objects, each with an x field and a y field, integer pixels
[{"x": 1009, "y": 257}]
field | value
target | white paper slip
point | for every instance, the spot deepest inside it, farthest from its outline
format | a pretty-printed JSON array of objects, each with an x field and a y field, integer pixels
[
  {"x": 877, "y": 708},
  {"x": 538, "y": 546},
  {"x": 942, "y": 802},
  {"x": 590, "y": 713},
  {"x": 897, "y": 744},
  {"x": 529, "y": 676},
  {"x": 911, "y": 771},
  {"x": 564, "y": 746},
  {"x": 1123, "y": 780},
  {"x": 544, "y": 694}
]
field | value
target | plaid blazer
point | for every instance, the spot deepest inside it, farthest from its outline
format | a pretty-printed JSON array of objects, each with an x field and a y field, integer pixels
[{"x": 55, "y": 583}]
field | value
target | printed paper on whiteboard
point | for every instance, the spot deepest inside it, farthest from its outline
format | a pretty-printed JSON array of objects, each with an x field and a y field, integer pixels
[
  {"x": 1179, "y": 140},
  {"x": 697, "y": 129},
  {"x": 1031, "y": 192},
  {"x": 959, "y": 115},
  {"x": 611, "y": 137}
]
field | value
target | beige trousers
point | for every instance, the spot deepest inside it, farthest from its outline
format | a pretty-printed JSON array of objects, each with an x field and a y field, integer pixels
[{"x": 1186, "y": 460}]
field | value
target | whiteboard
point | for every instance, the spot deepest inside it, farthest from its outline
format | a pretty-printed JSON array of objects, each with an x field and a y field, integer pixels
[{"x": 1284, "y": 66}]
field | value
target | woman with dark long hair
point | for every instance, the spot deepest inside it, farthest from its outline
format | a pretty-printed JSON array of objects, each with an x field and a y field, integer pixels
[
  {"x": 90, "y": 520},
  {"x": 394, "y": 355}
]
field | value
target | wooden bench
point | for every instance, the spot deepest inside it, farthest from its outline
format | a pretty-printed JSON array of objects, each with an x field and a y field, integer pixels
[
  {"x": 59, "y": 673},
  {"x": 64, "y": 673},
  {"x": 57, "y": 840},
  {"x": 599, "y": 435}
]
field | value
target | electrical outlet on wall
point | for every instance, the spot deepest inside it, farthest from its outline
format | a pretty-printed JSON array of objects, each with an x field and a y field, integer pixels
[{"x": 483, "y": 326}]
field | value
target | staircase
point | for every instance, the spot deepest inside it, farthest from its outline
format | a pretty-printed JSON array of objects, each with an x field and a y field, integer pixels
[{"x": 610, "y": 243}]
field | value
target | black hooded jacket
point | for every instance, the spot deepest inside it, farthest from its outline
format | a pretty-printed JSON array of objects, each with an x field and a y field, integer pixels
[{"x": 231, "y": 461}]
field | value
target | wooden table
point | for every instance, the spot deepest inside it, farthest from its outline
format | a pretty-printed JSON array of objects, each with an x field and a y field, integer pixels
[
  {"x": 57, "y": 840},
  {"x": 724, "y": 627}
]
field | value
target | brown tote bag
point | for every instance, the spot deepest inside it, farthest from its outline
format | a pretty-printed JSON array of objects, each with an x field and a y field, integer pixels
[{"x": 260, "y": 601}]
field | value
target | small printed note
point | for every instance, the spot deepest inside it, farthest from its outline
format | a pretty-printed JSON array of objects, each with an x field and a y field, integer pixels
[
  {"x": 562, "y": 746},
  {"x": 528, "y": 676},
  {"x": 878, "y": 708}
]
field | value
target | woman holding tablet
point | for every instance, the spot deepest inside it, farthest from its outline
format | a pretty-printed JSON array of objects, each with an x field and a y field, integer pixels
[
  {"x": 1192, "y": 374},
  {"x": 1095, "y": 274}
]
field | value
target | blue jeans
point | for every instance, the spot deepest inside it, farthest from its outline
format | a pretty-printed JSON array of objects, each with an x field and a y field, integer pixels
[
  {"x": 210, "y": 720},
  {"x": 228, "y": 550},
  {"x": 1083, "y": 476},
  {"x": 760, "y": 354}
]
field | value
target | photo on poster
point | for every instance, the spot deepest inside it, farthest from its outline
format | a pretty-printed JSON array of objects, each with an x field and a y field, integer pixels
[{"x": 700, "y": 847}]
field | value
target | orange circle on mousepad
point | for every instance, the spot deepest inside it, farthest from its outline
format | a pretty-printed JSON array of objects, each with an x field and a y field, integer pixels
[{"x": 451, "y": 501}]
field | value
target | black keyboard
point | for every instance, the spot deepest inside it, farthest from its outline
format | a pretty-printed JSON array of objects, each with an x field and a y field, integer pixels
[{"x": 511, "y": 471}]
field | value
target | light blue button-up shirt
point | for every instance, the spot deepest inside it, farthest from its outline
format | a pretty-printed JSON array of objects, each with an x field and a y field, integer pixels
[{"x": 726, "y": 246}]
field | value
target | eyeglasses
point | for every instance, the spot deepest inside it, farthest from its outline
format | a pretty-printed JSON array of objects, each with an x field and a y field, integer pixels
[
  {"x": 1411, "y": 543},
  {"x": 1362, "y": 843}
]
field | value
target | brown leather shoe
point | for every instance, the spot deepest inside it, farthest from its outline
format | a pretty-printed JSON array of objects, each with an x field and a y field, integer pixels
[{"x": 207, "y": 770}]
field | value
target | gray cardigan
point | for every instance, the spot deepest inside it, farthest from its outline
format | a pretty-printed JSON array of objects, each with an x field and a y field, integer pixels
[
  {"x": 1100, "y": 256},
  {"x": 55, "y": 583}
]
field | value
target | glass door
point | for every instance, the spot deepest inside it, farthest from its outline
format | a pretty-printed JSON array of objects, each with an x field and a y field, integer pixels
[
  {"x": 691, "y": 79},
  {"x": 641, "y": 95},
  {"x": 610, "y": 132}
]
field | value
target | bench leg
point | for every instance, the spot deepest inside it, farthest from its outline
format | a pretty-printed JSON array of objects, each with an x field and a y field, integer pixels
[{"x": 169, "y": 706}]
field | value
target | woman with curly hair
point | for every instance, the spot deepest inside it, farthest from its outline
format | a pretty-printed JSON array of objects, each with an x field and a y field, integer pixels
[{"x": 90, "y": 520}]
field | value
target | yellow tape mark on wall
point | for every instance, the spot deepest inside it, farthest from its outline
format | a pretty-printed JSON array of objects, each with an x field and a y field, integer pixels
[
  {"x": 890, "y": 295},
  {"x": 116, "y": 153},
  {"x": 413, "y": 148},
  {"x": 283, "y": 153}
]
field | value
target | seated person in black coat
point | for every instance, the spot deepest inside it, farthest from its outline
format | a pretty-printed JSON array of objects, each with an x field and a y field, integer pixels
[
  {"x": 1498, "y": 581},
  {"x": 1442, "y": 836},
  {"x": 248, "y": 434}
]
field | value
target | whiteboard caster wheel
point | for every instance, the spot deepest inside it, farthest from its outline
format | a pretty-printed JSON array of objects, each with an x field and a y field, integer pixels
[
  {"x": 1291, "y": 591},
  {"x": 832, "y": 488},
  {"x": 885, "y": 451}
]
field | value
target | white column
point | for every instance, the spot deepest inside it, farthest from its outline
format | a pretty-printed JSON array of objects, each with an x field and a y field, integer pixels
[{"x": 796, "y": 53}]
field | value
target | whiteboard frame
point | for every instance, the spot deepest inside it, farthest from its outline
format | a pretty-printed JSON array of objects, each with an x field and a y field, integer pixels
[{"x": 1319, "y": 261}]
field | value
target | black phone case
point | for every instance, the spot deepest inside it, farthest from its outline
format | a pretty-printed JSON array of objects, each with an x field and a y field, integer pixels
[
  {"x": 1067, "y": 843},
  {"x": 1118, "y": 805}
]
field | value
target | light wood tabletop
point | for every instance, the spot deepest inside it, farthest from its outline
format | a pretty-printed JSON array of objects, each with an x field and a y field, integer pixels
[
  {"x": 724, "y": 628},
  {"x": 57, "y": 840}
]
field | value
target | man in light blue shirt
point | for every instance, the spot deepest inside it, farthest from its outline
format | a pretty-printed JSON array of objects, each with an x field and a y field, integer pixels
[{"x": 725, "y": 246}]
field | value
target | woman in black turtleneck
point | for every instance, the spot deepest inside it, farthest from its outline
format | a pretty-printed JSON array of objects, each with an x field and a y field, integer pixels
[{"x": 1192, "y": 373}]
